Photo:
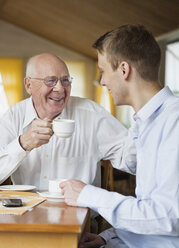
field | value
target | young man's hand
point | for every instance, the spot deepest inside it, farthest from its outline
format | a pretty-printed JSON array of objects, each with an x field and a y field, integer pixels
[
  {"x": 91, "y": 240},
  {"x": 71, "y": 190}
]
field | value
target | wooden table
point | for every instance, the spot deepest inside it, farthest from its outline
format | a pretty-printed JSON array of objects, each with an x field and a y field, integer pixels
[{"x": 50, "y": 224}]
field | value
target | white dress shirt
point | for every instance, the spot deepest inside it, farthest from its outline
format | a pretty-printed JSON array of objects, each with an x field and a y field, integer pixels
[
  {"x": 151, "y": 219},
  {"x": 98, "y": 135}
]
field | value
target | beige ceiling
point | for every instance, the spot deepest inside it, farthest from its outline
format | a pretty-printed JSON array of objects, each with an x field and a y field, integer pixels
[{"x": 76, "y": 24}]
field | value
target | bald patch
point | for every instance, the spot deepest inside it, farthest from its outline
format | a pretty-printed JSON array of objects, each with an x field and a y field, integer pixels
[{"x": 36, "y": 62}]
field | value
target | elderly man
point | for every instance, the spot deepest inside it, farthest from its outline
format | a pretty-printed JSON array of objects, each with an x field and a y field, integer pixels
[
  {"x": 129, "y": 59},
  {"x": 31, "y": 154}
]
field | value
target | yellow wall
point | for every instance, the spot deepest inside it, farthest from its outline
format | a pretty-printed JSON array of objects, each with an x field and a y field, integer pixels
[
  {"x": 11, "y": 70},
  {"x": 98, "y": 93}
]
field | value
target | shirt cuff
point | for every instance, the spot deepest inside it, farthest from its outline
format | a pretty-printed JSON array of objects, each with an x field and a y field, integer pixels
[
  {"x": 95, "y": 198},
  {"x": 108, "y": 234},
  {"x": 15, "y": 150}
]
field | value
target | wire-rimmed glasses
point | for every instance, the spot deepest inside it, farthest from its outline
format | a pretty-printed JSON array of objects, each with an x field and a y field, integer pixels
[{"x": 51, "y": 81}]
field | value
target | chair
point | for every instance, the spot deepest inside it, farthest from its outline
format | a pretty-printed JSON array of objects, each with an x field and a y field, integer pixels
[
  {"x": 7, "y": 181},
  {"x": 120, "y": 181},
  {"x": 111, "y": 176},
  {"x": 105, "y": 168},
  {"x": 105, "y": 164}
]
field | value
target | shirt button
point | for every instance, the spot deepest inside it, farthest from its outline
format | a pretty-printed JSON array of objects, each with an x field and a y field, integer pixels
[
  {"x": 45, "y": 177},
  {"x": 46, "y": 155}
]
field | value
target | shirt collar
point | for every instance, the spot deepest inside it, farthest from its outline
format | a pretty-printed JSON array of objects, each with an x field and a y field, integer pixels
[
  {"x": 31, "y": 113},
  {"x": 153, "y": 104}
]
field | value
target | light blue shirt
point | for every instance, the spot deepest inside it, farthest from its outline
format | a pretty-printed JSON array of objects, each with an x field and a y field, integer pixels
[{"x": 151, "y": 219}]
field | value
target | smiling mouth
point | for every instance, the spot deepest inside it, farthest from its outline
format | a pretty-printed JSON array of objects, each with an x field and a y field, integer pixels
[{"x": 56, "y": 99}]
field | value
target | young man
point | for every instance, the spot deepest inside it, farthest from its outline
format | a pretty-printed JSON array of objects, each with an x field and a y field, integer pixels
[{"x": 129, "y": 59}]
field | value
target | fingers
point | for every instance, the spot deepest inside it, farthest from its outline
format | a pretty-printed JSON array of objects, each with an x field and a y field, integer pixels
[
  {"x": 70, "y": 202},
  {"x": 43, "y": 130},
  {"x": 91, "y": 244},
  {"x": 62, "y": 185},
  {"x": 47, "y": 119},
  {"x": 71, "y": 190},
  {"x": 91, "y": 240},
  {"x": 87, "y": 236},
  {"x": 42, "y": 127},
  {"x": 46, "y": 123},
  {"x": 38, "y": 133}
]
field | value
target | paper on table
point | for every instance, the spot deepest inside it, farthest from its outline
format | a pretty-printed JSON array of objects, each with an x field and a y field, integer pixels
[{"x": 29, "y": 201}]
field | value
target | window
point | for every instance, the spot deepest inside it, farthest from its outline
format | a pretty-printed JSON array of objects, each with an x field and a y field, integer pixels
[
  {"x": 172, "y": 67},
  {"x": 11, "y": 70},
  {"x": 102, "y": 95},
  {"x": 77, "y": 71}
]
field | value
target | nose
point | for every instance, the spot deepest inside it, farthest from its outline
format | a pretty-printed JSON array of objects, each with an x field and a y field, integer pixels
[
  {"x": 101, "y": 81},
  {"x": 58, "y": 86}
]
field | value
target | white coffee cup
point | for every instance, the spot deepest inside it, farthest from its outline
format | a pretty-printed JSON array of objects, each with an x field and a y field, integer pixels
[
  {"x": 63, "y": 128},
  {"x": 53, "y": 185}
]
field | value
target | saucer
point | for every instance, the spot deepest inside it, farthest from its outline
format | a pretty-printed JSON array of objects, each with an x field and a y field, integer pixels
[
  {"x": 17, "y": 187},
  {"x": 48, "y": 194}
]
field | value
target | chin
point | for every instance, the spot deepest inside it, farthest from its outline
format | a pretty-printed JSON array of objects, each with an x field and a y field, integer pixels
[
  {"x": 54, "y": 112},
  {"x": 56, "y": 107}
]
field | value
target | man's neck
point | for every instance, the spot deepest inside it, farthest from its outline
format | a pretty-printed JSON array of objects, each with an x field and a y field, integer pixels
[{"x": 142, "y": 93}]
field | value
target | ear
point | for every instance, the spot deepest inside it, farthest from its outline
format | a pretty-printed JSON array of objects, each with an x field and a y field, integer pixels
[
  {"x": 27, "y": 84},
  {"x": 125, "y": 69}
]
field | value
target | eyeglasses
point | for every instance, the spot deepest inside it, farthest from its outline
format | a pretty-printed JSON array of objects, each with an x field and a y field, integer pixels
[{"x": 51, "y": 81}]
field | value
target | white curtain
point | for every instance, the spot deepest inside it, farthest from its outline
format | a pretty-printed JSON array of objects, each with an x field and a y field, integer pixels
[{"x": 3, "y": 99}]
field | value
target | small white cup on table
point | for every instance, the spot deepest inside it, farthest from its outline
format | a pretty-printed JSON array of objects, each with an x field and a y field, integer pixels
[{"x": 53, "y": 186}]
